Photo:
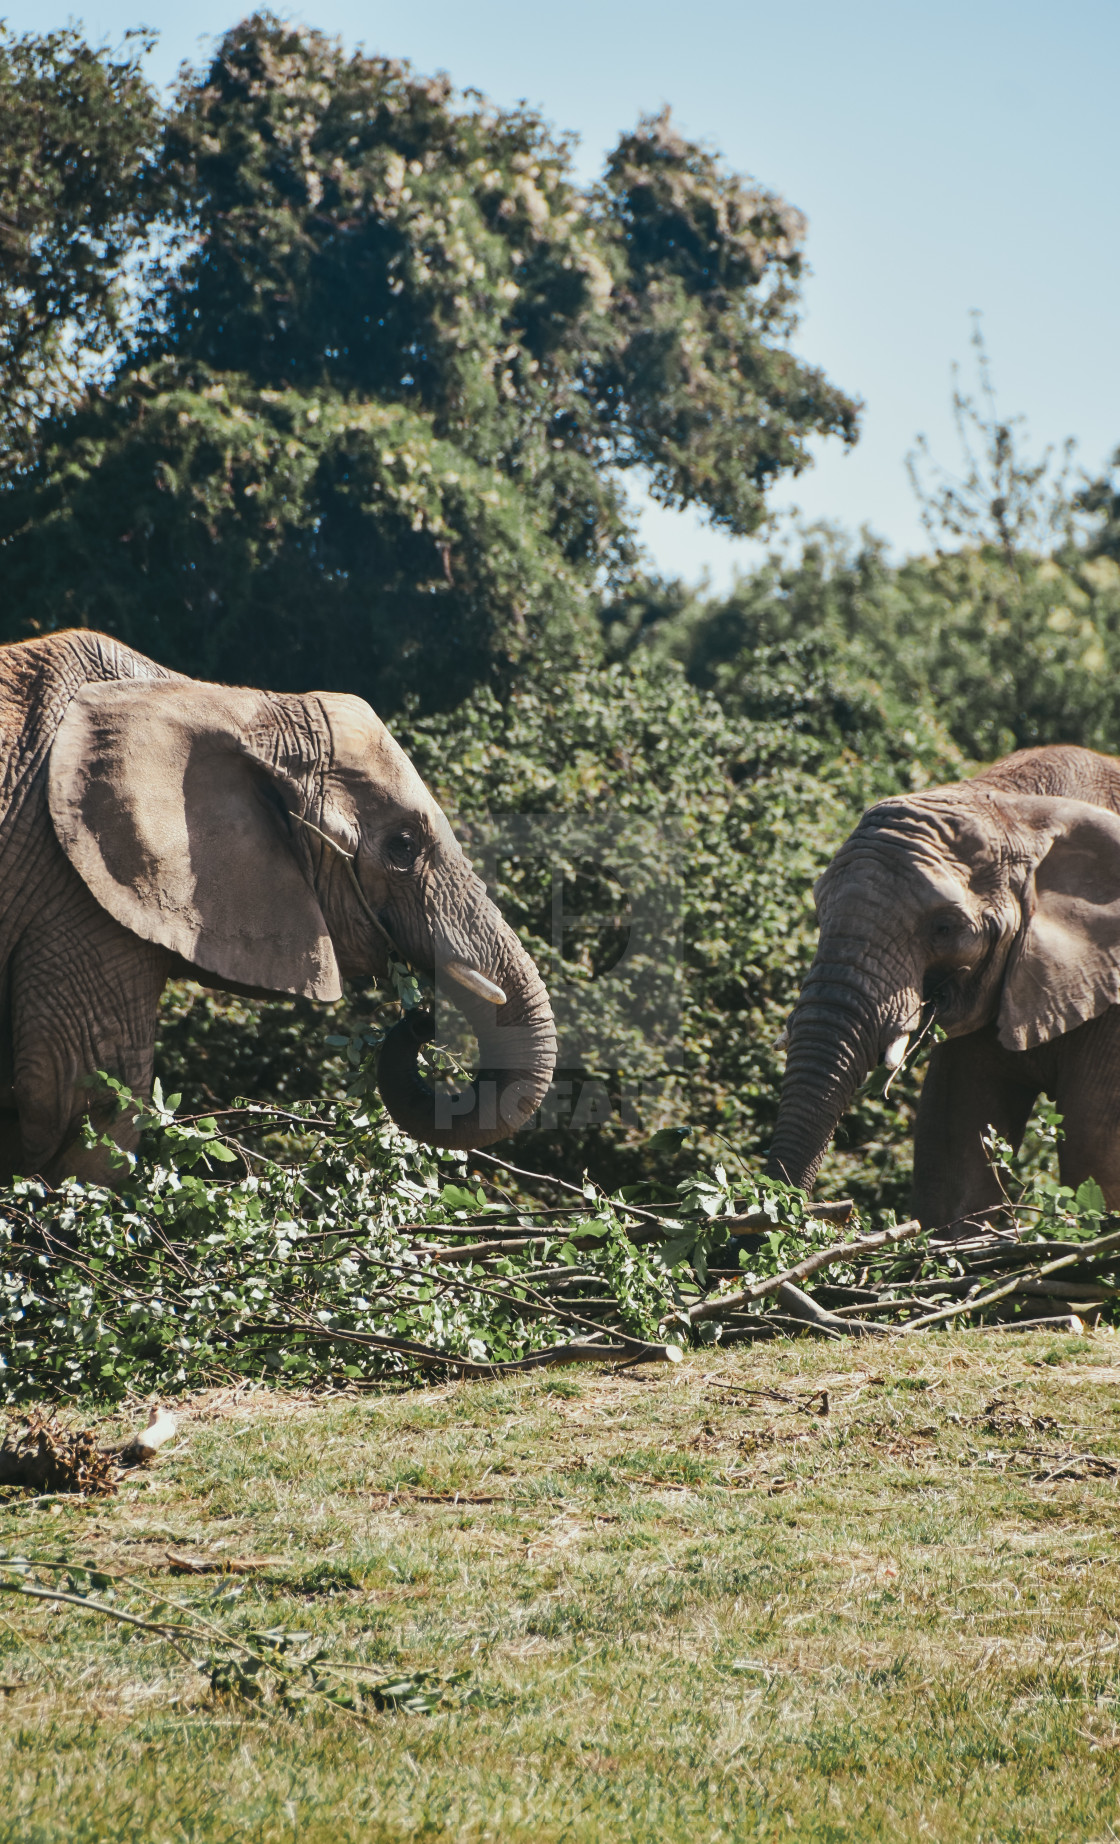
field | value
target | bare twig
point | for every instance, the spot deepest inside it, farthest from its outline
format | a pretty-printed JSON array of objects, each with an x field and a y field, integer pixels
[
  {"x": 164, "y": 1629},
  {"x": 837, "y": 1212},
  {"x": 563, "y": 1184},
  {"x": 576, "y": 1351}
]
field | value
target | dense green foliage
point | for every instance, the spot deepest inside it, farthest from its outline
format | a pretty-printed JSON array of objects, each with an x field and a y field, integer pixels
[
  {"x": 211, "y": 1257},
  {"x": 361, "y": 1255},
  {"x": 746, "y": 810},
  {"x": 1008, "y": 653},
  {"x": 200, "y": 518},
  {"x": 1101, "y": 500}
]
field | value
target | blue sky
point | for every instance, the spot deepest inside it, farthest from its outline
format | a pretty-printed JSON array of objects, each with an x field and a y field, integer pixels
[{"x": 948, "y": 156}]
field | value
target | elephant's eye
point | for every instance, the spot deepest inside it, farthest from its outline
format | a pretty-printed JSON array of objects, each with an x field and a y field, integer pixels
[
  {"x": 401, "y": 850},
  {"x": 954, "y": 933}
]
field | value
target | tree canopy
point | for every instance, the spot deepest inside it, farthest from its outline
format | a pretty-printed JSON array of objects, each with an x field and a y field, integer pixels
[
  {"x": 389, "y": 373},
  {"x": 80, "y": 186}
]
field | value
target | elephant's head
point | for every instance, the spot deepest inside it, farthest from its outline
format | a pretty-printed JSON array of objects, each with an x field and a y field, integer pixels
[
  {"x": 283, "y": 843},
  {"x": 969, "y": 903}
]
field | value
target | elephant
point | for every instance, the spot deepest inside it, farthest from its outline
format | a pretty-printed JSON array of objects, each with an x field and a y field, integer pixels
[
  {"x": 991, "y": 906},
  {"x": 269, "y": 844}
]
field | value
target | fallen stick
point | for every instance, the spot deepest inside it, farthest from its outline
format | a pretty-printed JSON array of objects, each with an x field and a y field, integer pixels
[
  {"x": 562, "y": 1184},
  {"x": 1012, "y": 1286},
  {"x": 862, "y": 1307},
  {"x": 821, "y": 1258},
  {"x": 513, "y": 1245},
  {"x": 222, "y": 1565},
  {"x": 1062, "y": 1322},
  {"x": 802, "y": 1306},
  {"x": 1076, "y": 1292},
  {"x": 142, "y": 1449},
  {"x": 477, "y": 1251},
  {"x": 773, "y": 1324},
  {"x": 510, "y": 1222},
  {"x": 166, "y": 1629},
  {"x": 195, "y": 1631}
]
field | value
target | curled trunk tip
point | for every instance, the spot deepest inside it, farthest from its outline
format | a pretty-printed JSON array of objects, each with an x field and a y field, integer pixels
[{"x": 515, "y": 1070}]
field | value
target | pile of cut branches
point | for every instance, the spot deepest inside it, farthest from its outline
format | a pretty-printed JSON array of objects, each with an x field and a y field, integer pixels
[
  {"x": 993, "y": 1279},
  {"x": 368, "y": 1256}
]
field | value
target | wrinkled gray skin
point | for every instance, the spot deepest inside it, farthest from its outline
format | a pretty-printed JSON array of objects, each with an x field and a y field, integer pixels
[
  {"x": 995, "y": 903},
  {"x": 151, "y": 825}
]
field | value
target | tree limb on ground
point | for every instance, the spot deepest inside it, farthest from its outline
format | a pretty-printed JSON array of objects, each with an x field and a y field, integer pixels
[{"x": 722, "y": 1304}]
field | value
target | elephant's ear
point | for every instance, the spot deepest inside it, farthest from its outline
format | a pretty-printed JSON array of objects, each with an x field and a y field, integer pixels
[
  {"x": 1065, "y": 966},
  {"x": 166, "y": 805}
]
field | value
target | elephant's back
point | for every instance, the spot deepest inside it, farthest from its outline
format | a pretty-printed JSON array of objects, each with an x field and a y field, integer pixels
[
  {"x": 38, "y": 678},
  {"x": 1061, "y": 770}
]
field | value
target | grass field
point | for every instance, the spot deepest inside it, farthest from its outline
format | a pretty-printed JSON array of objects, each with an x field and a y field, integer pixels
[{"x": 691, "y": 1609}]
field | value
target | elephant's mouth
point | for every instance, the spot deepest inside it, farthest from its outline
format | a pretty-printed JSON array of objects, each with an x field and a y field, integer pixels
[{"x": 962, "y": 998}]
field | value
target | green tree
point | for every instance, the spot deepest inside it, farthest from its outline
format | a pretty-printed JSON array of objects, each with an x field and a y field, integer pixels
[
  {"x": 1009, "y": 630},
  {"x": 80, "y": 189},
  {"x": 1005, "y": 654},
  {"x": 1001, "y": 498},
  {"x": 1100, "y": 499},
  {"x": 401, "y": 358},
  {"x": 286, "y": 538}
]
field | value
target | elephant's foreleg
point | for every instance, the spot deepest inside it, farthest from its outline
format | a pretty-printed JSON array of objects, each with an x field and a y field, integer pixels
[
  {"x": 85, "y": 996},
  {"x": 972, "y": 1083}
]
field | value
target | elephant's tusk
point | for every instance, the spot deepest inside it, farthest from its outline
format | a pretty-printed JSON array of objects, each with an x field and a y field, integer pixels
[
  {"x": 896, "y": 1050},
  {"x": 474, "y": 981},
  {"x": 782, "y": 1039}
]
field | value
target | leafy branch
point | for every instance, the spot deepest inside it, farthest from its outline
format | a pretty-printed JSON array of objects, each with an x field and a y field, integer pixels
[{"x": 272, "y": 1667}]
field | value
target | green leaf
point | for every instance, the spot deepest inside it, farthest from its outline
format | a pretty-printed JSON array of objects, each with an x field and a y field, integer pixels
[
  {"x": 457, "y": 1197},
  {"x": 1090, "y": 1198}
]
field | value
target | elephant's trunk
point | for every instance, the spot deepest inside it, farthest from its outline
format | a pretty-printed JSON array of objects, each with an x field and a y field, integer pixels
[
  {"x": 517, "y": 1052},
  {"x": 836, "y": 1036}
]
